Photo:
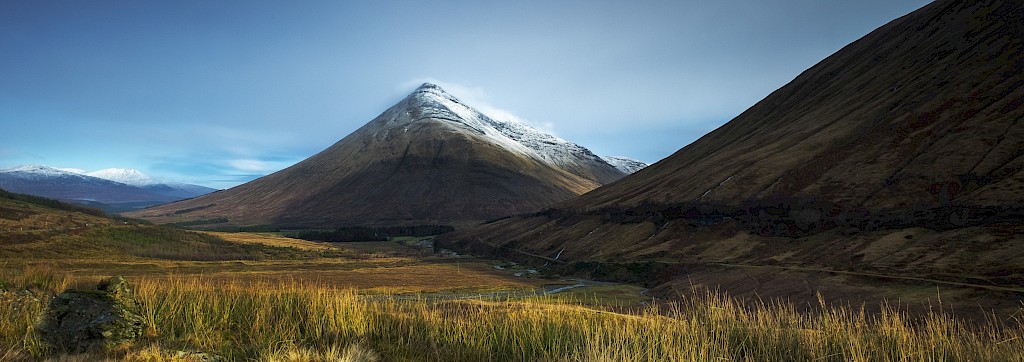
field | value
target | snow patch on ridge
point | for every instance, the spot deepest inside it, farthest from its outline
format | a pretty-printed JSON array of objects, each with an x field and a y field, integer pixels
[
  {"x": 31, "y": 171},
  {"x": 514, "y": 135},
  {"x": 126, "y": 176},
  {"x": 625, "y": 164},
  {"x": 720, "y": 184}
]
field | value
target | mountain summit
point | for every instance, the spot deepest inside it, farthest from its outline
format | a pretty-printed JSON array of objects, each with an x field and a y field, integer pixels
[
  {"x": 430, "y": 102},
  {"x": 428, "y": 159}
]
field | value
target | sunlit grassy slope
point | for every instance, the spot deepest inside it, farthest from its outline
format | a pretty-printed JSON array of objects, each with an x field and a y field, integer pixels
[{"x": 90, "y": 247}]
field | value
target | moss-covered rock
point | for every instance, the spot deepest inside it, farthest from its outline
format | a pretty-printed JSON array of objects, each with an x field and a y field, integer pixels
[{"x": 83, "y": 320}]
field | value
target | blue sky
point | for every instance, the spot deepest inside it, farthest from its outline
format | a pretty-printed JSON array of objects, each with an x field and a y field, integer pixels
[{"x": 221, "y": 92}]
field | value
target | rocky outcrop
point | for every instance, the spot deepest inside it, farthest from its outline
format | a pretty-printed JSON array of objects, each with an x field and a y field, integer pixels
[{"x": 84, "y": 320}]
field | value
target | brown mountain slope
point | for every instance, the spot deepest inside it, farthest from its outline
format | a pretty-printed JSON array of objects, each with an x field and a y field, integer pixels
[
  {"x": 924, "y": 110},
  {"x": 428, "y": 159},
  {"x": 897, "y": 159}
]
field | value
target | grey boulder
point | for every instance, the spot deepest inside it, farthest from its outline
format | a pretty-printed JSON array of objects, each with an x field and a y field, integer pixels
[{"x": 85, "y": 320}]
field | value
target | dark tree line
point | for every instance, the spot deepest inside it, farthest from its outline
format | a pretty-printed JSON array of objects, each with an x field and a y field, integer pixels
[
  {"x": 51, "y": 203},
  {"x": 796, "y": 217},
  {"x": 216, "y": 220},
  {"x": 362, "y": 233}
]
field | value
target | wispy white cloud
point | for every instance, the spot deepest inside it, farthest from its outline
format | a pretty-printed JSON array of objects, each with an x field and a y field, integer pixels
[
  {"x": 71, "y": 169},
  {"x": 257, "y": 166}
]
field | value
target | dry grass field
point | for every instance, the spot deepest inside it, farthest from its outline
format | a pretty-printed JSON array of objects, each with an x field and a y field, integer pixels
[
  {"x": 379, "y": 301},
  {"x": 389, "y": 267},
  {"x": 196, "y": 319},
  {"x": 260, "y": 297}
]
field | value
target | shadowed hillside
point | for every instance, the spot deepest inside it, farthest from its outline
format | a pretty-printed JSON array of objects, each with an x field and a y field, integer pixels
[
  {"x": 923, "y": 111},
  {"x": 896, "y": 159}
]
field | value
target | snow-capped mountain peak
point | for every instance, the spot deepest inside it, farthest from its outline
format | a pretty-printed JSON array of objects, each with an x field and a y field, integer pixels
[
  {"x": 430, "y": 101},
  {"x": 124, "y": 175}
]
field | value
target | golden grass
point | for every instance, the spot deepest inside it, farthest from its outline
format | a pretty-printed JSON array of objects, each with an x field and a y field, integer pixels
[
  {"x": 306, "y": 321},
  {"x": 262, "y": 257},
  {"x": 295, "y": 304},
  {"x": 394, "y": 274},
  {"x": 271, "y": 240}
]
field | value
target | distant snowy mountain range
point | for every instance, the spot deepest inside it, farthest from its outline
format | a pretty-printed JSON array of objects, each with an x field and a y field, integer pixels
[{"x": 113, "y": 189}]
